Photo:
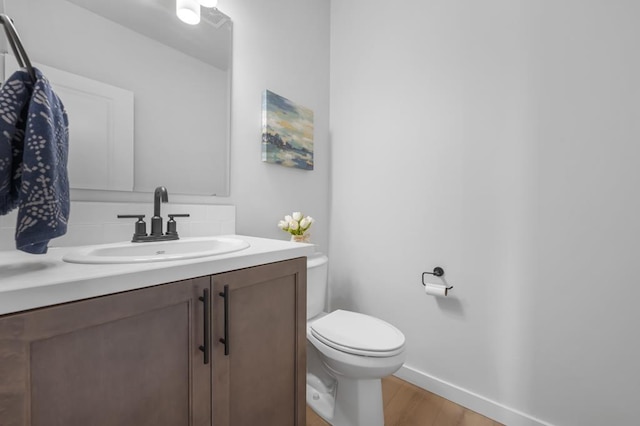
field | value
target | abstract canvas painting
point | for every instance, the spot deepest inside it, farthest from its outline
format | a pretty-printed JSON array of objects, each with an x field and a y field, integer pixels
[{"x": 287, "y": 132}]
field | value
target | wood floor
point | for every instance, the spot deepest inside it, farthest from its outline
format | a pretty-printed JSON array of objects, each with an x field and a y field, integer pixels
[{"x": 408, "y": 405}]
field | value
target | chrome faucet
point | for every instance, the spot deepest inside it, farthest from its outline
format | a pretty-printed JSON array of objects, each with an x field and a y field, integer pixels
[{"x": 160, "y": 195}]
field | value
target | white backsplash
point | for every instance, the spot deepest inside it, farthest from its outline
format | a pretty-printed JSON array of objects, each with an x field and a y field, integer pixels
[{"x": 96, "y": 223}]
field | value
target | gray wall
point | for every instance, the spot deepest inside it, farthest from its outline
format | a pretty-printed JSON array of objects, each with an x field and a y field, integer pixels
[{"x": 498, "y": 139}]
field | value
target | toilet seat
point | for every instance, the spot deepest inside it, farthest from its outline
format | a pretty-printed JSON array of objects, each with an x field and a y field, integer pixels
[{"x": 358, "y": 334}]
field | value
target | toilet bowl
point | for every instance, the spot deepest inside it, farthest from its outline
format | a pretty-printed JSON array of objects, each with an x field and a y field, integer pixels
[{"x": 347, "y": 355}]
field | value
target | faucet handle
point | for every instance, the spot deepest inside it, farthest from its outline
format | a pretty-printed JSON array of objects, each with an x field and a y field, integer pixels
[
  {"x": 172, "y": 224},
  {"x": 141, "y": 226}
]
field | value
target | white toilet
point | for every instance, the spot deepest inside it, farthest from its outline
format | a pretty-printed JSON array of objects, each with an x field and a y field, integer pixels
[{"x": 347, "y": 355}]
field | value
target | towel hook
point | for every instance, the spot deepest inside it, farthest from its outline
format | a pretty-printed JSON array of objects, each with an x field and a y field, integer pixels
[{"x": 16, "y": 45}]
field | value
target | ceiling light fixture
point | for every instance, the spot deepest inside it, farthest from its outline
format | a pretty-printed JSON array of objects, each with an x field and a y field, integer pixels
[{"x": 188, "y": 11}]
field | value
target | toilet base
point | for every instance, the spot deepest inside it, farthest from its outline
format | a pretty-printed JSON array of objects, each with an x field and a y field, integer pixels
[
  {"x": 354, "y": 403},
  {"x": 320, "y": 397}
]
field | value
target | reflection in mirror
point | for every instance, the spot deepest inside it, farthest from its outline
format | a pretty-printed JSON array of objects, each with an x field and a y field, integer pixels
[{"x": 178, "y": 76}]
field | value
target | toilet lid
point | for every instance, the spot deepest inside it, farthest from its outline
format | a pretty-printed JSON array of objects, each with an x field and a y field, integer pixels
[{"x": 359, "y": 334}]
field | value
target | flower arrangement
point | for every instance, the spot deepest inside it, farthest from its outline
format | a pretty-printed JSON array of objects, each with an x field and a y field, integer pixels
[{"x": 297, "y": 225}]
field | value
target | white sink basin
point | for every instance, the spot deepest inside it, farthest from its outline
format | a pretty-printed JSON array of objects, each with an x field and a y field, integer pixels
[{"x": 162, "y": 251}]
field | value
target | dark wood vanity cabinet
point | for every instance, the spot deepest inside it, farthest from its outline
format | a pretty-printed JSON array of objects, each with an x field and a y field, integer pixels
[
  {"x": 259, "y": 375},
  {"x": 138, "y": 358},
  {"x": 122, "y": 359}
]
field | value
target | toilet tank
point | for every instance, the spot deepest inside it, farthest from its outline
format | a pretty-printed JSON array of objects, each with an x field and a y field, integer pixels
[{"x": 317, "y": 267}]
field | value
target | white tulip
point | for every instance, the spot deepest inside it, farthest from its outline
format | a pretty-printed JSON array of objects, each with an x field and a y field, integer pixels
[
  {"x": 297, "y": 216},
  {"x": 305, "y": 223},
  {"x": 283, "y": 225},
  {"x": 310, "y": 219},
  {"x": 288, "y": 218},
  {"x": 293, "y": 225}
]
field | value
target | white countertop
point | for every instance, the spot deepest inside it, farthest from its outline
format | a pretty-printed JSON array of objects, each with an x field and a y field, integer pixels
[{"x": 32, "y": 281}]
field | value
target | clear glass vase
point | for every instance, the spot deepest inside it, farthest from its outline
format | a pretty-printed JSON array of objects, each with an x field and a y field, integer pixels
[{"x": 300, "y": 238}]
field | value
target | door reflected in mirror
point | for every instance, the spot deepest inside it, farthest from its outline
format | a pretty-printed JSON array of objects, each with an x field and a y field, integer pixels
[{"x": 178, "y": 76}]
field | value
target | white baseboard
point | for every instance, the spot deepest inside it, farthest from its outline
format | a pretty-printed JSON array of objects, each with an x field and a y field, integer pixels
[{"x": 478, "y": 403}]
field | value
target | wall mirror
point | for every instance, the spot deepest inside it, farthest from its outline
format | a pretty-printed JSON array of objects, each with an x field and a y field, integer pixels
[{"x": 149, "y": 96}]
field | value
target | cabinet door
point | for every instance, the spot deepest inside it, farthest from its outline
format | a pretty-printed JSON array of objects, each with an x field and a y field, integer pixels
[
  {"x": 131, "y": 358},
  {"x": 262, "y": 378}
]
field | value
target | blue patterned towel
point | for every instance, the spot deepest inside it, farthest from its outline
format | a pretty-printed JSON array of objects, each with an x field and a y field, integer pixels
[{"x": 34, "y": 140}]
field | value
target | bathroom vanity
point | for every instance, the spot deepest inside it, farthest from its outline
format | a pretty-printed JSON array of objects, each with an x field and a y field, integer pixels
[{"x": 212, "y": 341}]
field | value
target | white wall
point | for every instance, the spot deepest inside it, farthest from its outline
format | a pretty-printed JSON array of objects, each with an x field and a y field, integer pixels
[
  {"x": 283, "y": 46},
  {"x": 499, "y": 140}
]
